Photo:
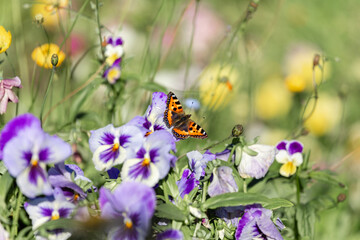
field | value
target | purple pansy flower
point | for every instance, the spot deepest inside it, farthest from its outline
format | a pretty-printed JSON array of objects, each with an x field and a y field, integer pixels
[
  {"x": 111, "y": 146},
  {"x": 60, "y": 176},
  {"x": 198, "y": 161},
  {"x": 223, "y": 182},
  {"x": 170, "y": 234},
  {"x": 256, "y": 224},
  {"x": 132, "y": 204},
  {"x": 290, "y": 155},
  {"x": 187, "y": 183},
  {"x": 46, "y": 209},
  {"x": 113, "y": 73},
  {"x": 114, "y": 49},
  {"x": 153, "y": 119},
  {"x": 28, "y": 152},
  {"x": 256, "y": 166},
  {"x": 152, "y": 161}
]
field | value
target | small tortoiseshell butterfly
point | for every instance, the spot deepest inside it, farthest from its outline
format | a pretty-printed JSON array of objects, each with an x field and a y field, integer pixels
[{"x": 183, "y": 126}]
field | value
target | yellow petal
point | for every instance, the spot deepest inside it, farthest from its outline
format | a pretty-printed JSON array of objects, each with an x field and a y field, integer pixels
[
  {"x": 42, "y": 55},
  {"x": 5, "y": 39},
  {"x": 287, "y": 169}
]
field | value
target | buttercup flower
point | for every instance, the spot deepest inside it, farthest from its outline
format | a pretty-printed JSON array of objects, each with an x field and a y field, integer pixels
[
  {"x": 256, "y": 224},
  {"x": 216, "y": 85},
  {"x": 170, "y": 234},
  {"x": 46, "y": 209},
  {"x": 6, "y": 94},
  {"x": 114, "y": 49},
  {"x": 60, "y": 176},
  {"x": 42, "y": 55},
  {"x": 290, "y": 155},
  {"x": 223, "y": 182},
  {"x": 198, "y": 161},
  {"x": 153, "y": 119},
  {"x": 27, "y": 153},
  {"x": 49, "y": 10},
  {"x": 113, "y": 73},
  {"x": 256, "y": 166},
  {"x": 295, "y": 83},
  {"x": 111, "y": 146},
  {"x": 132, "y": 205},
  {"x": 152, "y": 161},
  {"x": 187, "y": 183},
  {"x": 5, "y": 39}
]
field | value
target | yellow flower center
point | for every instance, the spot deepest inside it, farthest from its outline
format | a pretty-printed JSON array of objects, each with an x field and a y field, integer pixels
[
  {"x": 113, "y": 75},
  {"x": 34, "y": 162},
  {"x": 148, "y": 133},
  {"x": 128, "y": 223},
  {"x": 288, "y": 169},
  {"x": 111, "y": 59},
  {"x": 115, "y": 147},
  {"x": 55, "y": 216},
  {"x": 145, "y": 162},
  {"x": 76, "y": 197}
]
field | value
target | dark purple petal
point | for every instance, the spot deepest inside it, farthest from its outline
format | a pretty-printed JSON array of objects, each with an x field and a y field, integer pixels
[
  {"x": 12, "y": 128},
  {"x": 158, "y": 127},
  {"x": 46, "y": 212},
  {"x": 139, "y": 169},
  {"x": 141, "y": 153},
  {"x": 27, "y": 156},
  {"x": 117, "y": 62},
  {"x": 153, "y": 154},
  {"x": 187, "y": 183},
  {"x": 147, "y": 124},
  {"x": 119, "y": 41},
  {"x": 281, "y": 145},
  {"x": 109, "y": 154},
  {"x": 107, "y": 139},
  {"x": 44, "y": 154},
  {"x": 294, "y": 147},
  {"x": 170, "y": 234},
  {"x": 245, "y": 220},
  {"x": 124, "y": 139},
  {"x": 35, "y": 172},
  {"x": 113, "y": 173},
  {"x": 64, "y": 212}
]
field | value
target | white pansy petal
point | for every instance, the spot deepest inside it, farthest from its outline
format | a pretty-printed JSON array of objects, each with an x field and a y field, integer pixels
[
  {"x": 297, "y": 158},
  {"x": 133, "y": 171},
  {"x": 282, "y": 156},
  {"x": 103, "y": 157}
]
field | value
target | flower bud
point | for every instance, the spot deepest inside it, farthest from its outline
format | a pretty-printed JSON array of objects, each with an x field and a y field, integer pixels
[
  {"x": 237, "y": 130},
  {"x": 54, "y": 59},
  {"x": 341, "y": 197},
  {"x": 316, "y": 60}
]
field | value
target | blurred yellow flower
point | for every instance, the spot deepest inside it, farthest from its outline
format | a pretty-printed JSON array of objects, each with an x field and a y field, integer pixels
[
  {"x": 325, "y": 117},
  {"x": 217, "y": 85},
  {"x": 49, "y": 9},
  {"x": 299, "y": 68},
  {"x": 5, "y": 39},
  {"x": 295, "y": 83},
  {"x": 272, "y": 100},
  {"x": 42, "y": 55}
]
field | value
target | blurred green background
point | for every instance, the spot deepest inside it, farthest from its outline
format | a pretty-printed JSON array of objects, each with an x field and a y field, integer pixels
[{"x": 257, "y": 72}]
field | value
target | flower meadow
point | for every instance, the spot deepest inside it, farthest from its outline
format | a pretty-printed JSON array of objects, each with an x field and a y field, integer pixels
[{"x": 133, "y": 119}]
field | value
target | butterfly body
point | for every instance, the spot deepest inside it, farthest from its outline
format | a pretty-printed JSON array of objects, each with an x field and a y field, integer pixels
[{"x": 181, "y": 124}]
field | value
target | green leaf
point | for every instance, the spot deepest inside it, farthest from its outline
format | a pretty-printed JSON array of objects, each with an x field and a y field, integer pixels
[
  {"x": 305, "y": 219},
  {"x": 169, "y": 211},
  {"x": 5, "y": 182},
  {"x": 239, "y": 198},
  {"x": 82, "y": 97},
  {"x": 326, "y": 177},
  {"x": 153, "y": 87}
]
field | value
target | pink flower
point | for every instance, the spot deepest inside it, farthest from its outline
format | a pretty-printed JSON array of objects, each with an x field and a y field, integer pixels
[{"x": 6, "y": 94}]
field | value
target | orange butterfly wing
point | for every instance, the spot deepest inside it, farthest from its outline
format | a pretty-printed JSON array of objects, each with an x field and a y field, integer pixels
[
  {"x": 173, "y": 105},
  {"x": 189, "y": 129}
]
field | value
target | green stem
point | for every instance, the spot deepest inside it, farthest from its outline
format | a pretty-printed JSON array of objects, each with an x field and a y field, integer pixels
[
  {"x": 46, "y": 93},
  {"x": 297, "y": 189},
  {"x": 99, "y": 27},
  {"x": 15, "y": 224},
  {"x": 244, "y": 186},
  {"x": 205, "y": 186}
]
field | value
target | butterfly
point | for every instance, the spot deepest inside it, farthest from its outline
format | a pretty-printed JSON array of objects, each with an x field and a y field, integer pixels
[{"x": 183, "y": 126}]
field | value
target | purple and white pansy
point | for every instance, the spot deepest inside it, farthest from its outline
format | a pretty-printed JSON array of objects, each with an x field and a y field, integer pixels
[
  {"x": 256, "y": 166},
  {"x": 256, "y": 223},
  {"x": 223, "y": 181},
  {"x": 198, "y": 161},
  {"x": 111, "y": 146},
  {"x": 187, "y": 183},
  {"x": 152, "y": 161},
  {"x": 114, "y": 49},
  {"x": 290, "y": 155},
  {"x": 42, "y": 210},
  {"x": 153, "y": 119},
  {"x": 132, "y": 205},
  {"x": 61, "y": 176},
  {"x": 26, "y": 156},
  {"x": 113, "y": 73}
]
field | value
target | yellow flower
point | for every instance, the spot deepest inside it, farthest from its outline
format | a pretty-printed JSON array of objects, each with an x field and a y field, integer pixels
[
  {"x": 42, "y": 55},
  {"x": 217, "y": 85},
  {"x": 326, "y": 115},
  {"x": 272, "y": 100},
  {"x": 5, "y": 39},
  {"x": 295, "y": 83},
  {"x": 49, "y": 10},
  {"x": 299, "y": 68}
]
